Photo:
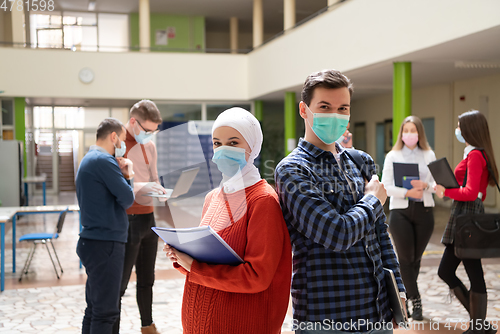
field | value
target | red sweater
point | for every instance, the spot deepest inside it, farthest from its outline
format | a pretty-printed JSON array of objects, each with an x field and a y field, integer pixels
[
  {"x": 477, "y": 178},
  {"x": 251, "y": 297}
]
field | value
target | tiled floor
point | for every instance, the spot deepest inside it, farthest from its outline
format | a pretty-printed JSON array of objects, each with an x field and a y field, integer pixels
[{"x": 43, "y": 304}]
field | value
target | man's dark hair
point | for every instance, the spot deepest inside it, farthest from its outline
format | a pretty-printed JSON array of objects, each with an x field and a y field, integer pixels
[
  {"x": 146, "y": 110},
  {"x": 107, "y": 126},
  {"x": 328, "y": 79}
]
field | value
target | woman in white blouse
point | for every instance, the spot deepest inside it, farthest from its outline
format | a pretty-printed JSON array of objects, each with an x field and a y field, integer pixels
[{"x": 411, "y": 220}]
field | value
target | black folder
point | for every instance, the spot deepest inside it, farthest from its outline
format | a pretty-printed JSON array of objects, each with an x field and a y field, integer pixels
[
  {"x": 403, "y": 169},
  {"x": 395, "y": 303},
  {"x": 442, "y": 173}
]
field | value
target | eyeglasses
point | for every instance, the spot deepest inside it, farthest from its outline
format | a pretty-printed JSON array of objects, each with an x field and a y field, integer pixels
[{"x": 148, "y": 132}]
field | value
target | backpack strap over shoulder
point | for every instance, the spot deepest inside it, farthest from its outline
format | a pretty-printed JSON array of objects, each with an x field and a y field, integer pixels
[{"x": 356, "y": 157}]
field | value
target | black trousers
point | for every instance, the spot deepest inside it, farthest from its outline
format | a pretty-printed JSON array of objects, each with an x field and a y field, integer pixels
[
  {"x": 411, "y": 230},
  {"x": 140, "y": 251},
  {"x": 448, "y": 267},
  {"x": 103, "y": 261}
]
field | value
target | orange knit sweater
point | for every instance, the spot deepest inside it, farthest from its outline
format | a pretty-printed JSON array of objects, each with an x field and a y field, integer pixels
[{"x": 251, "y": 297}]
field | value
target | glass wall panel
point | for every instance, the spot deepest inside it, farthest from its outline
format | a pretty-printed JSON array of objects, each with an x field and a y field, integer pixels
[
  {"x": 80, "y": 38},
  {"x": 80, "y": 30},
  {"x": 53, "y": 20},
  {"x": 68, "y": 117},
  {"x": 94, "y": 116},
  {"x": 80, "y": 18},
  {"x": 113, "y": 32},
  {"x": 42, "y": 117},
  {"x": 180, "y": 112},
  {"x": 429, "y": 130},
  {"x": 46, "y": 30},
  {"x": 7, "y": 116},
  {"x": 359, "y": 136},
  {"x": 49, "y": 38}
]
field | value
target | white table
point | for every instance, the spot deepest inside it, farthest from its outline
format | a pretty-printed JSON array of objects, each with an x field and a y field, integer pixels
[
  {"x": 35, "y": 179},
  {"x": 10, "y": 214}
]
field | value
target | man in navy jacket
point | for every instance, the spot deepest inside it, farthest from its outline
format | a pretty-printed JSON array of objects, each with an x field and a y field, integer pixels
[{"x": 104, "y": 191}]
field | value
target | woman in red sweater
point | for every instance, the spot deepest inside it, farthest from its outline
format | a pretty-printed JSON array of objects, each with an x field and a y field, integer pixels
[
  {"x": 472, "y": 130},
  {"x": 251, "y": 297}
]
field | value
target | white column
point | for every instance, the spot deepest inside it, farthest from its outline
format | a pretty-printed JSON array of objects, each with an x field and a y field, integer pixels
[
  {"x": 144, "y": 26},
  {"x": 18, "y": 29},
  {"x": 289, "y": 14},
  {"x": 233, "y": 34},
  {"x": 204, "y": 111},
  {"x": 258, "y": 23},
  {"x": 333, "y": 2}
]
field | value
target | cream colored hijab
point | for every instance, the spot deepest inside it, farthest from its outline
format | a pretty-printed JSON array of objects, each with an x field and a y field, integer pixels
[{"x": 249, "y": 127}]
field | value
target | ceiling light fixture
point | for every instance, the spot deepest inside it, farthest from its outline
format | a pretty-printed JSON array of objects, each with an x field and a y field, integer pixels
[
  {"x": 477, "y": 64},
  {"x": 91, "y": 6}
]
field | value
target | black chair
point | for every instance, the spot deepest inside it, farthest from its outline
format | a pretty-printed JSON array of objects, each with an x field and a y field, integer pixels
[{"x": 43, "y": 238}]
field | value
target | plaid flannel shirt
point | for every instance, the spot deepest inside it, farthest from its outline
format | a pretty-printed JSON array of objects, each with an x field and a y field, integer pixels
[{"x": 337, "y": 260}]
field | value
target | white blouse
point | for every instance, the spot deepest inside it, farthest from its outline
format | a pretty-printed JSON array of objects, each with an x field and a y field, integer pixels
[{"x": 398, "y": 194}]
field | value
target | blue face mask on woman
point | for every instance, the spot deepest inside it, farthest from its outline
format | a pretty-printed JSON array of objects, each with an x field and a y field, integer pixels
[
  {"x": 329, "y": 127},
  {"x": 229, "y": 159},
  {"x": 459, "y": 136}
]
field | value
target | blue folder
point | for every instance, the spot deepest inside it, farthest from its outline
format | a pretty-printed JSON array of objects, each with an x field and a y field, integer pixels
[
  {"x": 407, "y": 184},
  {"x": 201, "y": 243}
]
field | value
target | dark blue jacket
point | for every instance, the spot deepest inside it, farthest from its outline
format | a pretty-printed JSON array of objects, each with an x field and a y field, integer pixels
[{"x": 103, "y": 195}]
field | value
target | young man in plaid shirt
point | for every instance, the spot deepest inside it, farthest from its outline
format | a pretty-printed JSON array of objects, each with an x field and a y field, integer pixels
[{"x": 332, "y": 214}]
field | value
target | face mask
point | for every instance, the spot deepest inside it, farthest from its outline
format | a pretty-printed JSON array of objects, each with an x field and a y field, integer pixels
[
  {"x": 229, "y": 159},
  {"x": 410, "y": 139},
  {"x": 142, "y": 137},
  {"x": 343, "y": 140},
  {"x": 459, "y": 136},
  {"x": 120, "y": 152},
  {"x": 329, "y": 127}
]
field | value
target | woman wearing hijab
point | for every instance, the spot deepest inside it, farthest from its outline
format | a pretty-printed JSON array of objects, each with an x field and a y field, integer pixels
[{"x": 251, "y": 297}]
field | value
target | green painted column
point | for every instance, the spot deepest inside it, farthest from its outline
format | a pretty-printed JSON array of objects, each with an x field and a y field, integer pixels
[
  {"x": 401, "y": 96},
  {"x": 290, "y": 122},
  {"x": 20, "y": 125},
  {"x": 259, "y": 109}
]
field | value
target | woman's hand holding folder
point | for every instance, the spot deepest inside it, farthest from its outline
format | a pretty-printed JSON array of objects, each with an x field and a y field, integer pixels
[
  {"x": 418, "y": 189},
  {"x": 180, "y": 258},
  {"x": 439, "y": 190}
]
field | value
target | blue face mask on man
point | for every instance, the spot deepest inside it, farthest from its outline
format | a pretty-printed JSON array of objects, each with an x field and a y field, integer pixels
[
  {"x": 120, "y": 152},
  {"x": 329, "y": 127},
  {"x": 143, "y": 137},
  {"x": 458, "y": 134},
  {"x": 229, "y": 159}
]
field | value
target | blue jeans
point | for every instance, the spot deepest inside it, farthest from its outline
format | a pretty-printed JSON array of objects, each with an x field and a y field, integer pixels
[{"x": 103, "y": 261}]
